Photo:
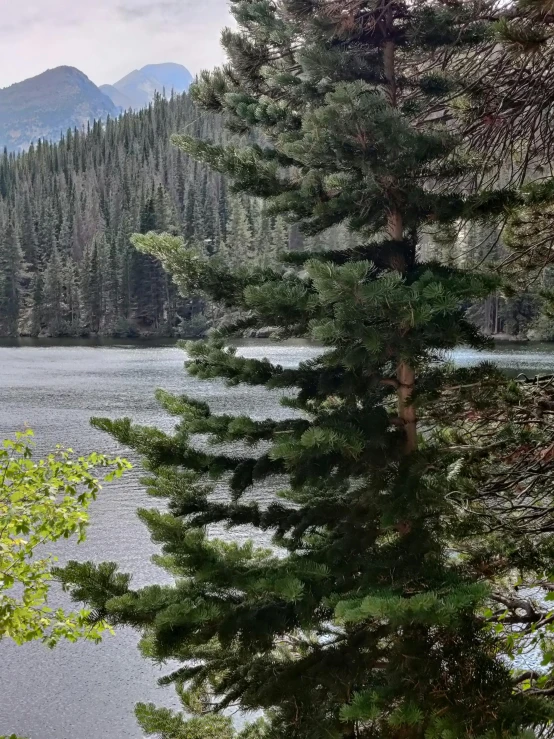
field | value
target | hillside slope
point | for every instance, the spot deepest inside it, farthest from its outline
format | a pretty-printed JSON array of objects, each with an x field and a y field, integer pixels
[
  {"x": 119, "y": 99},
  {"x": 47, "y": 105},
  {"x": 72, "y": 271}
]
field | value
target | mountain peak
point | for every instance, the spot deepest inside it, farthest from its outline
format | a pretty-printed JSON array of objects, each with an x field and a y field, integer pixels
[
  {"x": 138, "y": 88},
  {"x": 47, "y": 105},
  {"x": 53, "y": 73}
]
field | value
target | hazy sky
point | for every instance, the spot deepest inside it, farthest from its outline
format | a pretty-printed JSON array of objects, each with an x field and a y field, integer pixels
[{"x": 106, "y": 39}]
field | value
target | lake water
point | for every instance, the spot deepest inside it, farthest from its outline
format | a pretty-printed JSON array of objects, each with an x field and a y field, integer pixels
[{"x": 86, "y": 691}]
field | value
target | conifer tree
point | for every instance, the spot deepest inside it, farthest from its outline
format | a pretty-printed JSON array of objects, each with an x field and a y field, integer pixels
[
  {"x": 72, "y": 297},
  {"x": 10, "y": 277},
  {"x": 91, "y": 289},
  {"x": 110, "y": 312},
  {"x": 28, "y": 233},
  {"x": 37, "y": 298},
  {"x": 414, "y": 497},
  {"x": 53, "y": 295}
]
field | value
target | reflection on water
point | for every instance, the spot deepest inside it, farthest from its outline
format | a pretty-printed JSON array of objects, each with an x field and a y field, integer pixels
[
  {"x": 530, "y": 359},
  {"x": 83, "y": 691}
]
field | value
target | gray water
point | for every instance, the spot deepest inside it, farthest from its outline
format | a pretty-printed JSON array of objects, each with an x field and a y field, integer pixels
[{"x": 87, "y": 691}]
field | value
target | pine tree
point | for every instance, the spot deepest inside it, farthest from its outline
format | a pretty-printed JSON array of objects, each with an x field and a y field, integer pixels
[
  {"x": 53, "y": 296},
  {"x": 410, "y": 492},
  {"x": 28, "y": 234},
  {"x": 240, "y": 238},
  {"x": 10, "y": 277},
  {"x": 91, "y": 289},
  {"x": 110, "y": 310},
  {"x": 37, "y": 305},
  {"x": 72, "y": 297}
]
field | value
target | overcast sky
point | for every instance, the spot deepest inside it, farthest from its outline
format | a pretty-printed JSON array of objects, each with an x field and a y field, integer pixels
[{"x": 106, "y": 39}]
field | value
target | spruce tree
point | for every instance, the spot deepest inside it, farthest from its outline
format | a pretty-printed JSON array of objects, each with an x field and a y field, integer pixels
[{"x": 414, "y": 497}]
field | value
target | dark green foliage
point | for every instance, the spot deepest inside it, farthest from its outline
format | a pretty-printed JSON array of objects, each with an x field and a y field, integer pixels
[
  {"x": 10, "y": 279},
  {"x": 84, "y": 197},
  {"x": 414, "y": 499}
]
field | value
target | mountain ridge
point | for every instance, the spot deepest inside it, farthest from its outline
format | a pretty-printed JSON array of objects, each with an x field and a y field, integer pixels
[
  {"x": 45, "y": 106},
  {"x": 141, "y": 85}
]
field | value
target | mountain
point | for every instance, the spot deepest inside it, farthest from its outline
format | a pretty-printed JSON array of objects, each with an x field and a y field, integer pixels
[
  {"x": 47, "y": 105},
  {"x": 137, "y": 89},
  {"x": 119, "y": 99}
]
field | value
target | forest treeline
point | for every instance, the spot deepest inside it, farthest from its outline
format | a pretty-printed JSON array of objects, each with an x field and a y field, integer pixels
[{"x": 67, "y": 210}]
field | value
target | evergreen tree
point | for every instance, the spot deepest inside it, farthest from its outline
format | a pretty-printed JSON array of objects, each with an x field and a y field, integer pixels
[
  {"x": 91, "y": 289},
  {"x": 37, "y": 305},
  {"x": 72, "y": 297},
  {"x": 28, "y": 233},
  {"x": 240, "y": 238},
  {"x": 10, "y": 276},
  {"x": 411, "y": 493},
  {"x": 53, "y": 296},
  {"x": 110, "y": 311}
]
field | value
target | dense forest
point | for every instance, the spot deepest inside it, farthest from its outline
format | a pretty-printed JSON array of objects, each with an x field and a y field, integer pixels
[{"x": 67, "y": 210}]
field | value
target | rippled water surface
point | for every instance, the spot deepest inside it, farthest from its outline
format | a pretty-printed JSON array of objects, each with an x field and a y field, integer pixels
[{"x": 83, "y": 691}]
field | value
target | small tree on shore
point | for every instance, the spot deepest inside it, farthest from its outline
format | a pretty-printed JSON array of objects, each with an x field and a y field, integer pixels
[{"x": 42, "y": 502}]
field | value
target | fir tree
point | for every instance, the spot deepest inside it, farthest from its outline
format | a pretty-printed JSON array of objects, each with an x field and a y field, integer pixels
[{"x": 410, "y": 491}]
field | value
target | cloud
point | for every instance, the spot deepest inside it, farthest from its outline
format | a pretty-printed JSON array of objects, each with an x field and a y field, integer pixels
[
  {"x": 22, "y": 22},
  {"x": 137, "y": 11},
  {"x": 19, "y": 25},
  {"x": 107, "y": 39},
  {"x": 207, "y": 13}
]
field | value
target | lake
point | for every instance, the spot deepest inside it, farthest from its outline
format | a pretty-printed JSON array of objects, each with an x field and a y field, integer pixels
[{"x": 87, "y": 691}]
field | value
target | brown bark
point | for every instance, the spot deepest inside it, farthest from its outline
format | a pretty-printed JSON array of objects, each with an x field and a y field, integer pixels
[
  {"x": 406, "y": 411},
  {"x": 405, "y": 374},
  {"x": 389, "y": 70}
]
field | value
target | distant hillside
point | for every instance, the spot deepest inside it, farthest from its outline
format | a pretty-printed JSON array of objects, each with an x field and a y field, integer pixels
[
  {"x": 119, "y": 99},
  {"x": 47, "y": 105},
  {"x": 69, "y": 269},
  {"x": 137, "y": 89}
]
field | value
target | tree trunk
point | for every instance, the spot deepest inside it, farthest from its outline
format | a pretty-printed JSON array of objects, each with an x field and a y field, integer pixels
[{"x": 405, "y": 374}]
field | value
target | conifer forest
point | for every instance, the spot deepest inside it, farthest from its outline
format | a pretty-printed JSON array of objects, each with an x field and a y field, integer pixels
[
  {"x": 372, "y": 556},
  {"x": 68, "y": 210}
]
